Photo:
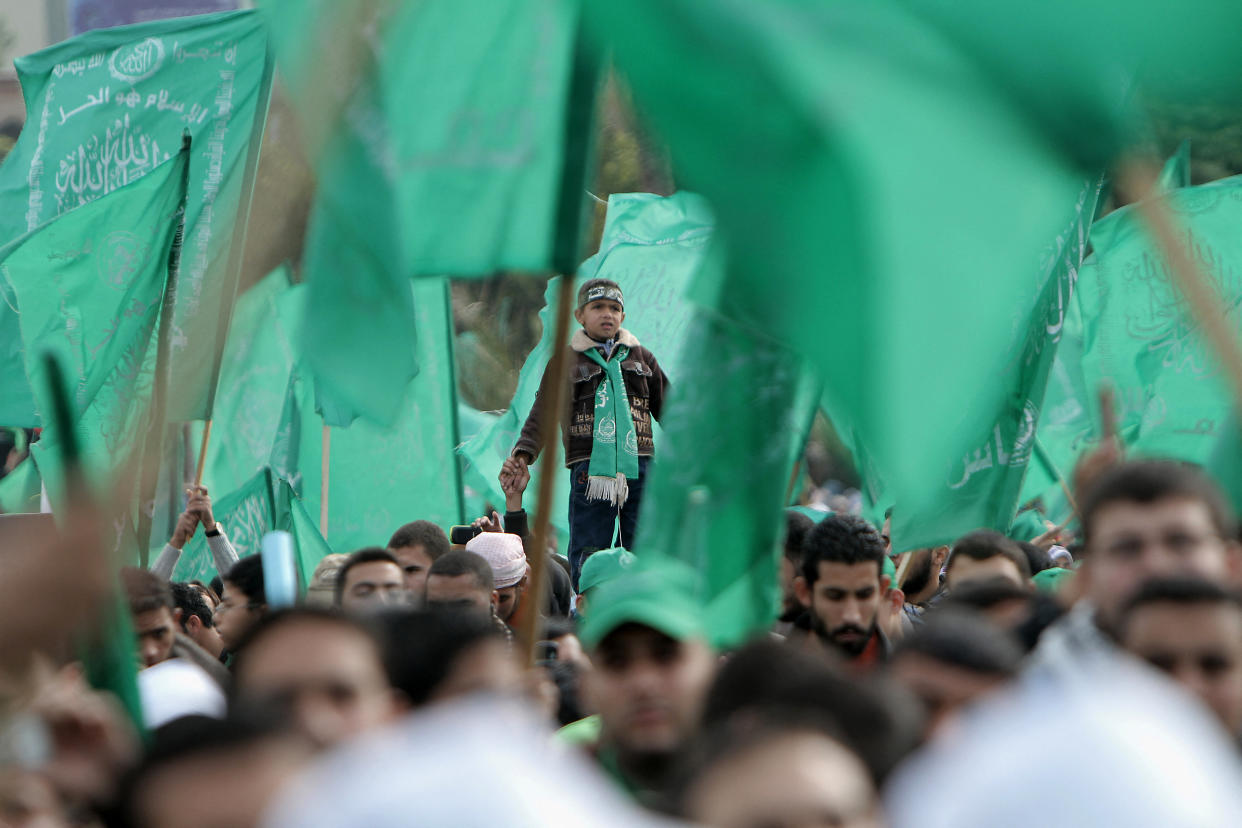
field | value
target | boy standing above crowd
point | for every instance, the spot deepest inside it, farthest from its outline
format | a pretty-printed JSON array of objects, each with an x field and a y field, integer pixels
[{"x": 616, "y": 388}]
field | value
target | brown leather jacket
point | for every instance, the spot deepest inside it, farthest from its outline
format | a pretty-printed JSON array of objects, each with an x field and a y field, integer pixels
[{"x": 645, "y": 383}]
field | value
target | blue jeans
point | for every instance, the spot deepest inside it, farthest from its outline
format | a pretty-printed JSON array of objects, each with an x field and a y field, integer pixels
[{"x": 593, "y": 523}]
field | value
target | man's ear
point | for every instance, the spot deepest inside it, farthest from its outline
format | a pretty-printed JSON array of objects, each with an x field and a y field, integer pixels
[
  {"x": 193, "y": 624},
  {"x": 578, "y": 315},
  {"x": 886, "y": 581},
  {"x": 802, "y": 591},
  {"x": 939, "y": 555},
  {"x": 178, "y": 614},
  {"x": 495, "y": 599},
  {"x": 897, "y": 598}
]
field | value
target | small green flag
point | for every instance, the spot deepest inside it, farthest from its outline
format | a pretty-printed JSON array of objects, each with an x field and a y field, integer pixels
[
  {"x": 91, "y": 285},
  {"x": 652, "y": 246},
  {"x": 106, "y": 108},
  {"x": 451, "y": 142}
]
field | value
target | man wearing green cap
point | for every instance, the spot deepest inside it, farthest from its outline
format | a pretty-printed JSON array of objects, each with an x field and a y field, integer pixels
[
  {"x": 652, "y": 667},
  {"x": 604, "y": 565}
]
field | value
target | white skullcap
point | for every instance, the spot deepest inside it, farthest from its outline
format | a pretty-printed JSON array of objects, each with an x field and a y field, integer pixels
[{"x": 504, "y": 553}]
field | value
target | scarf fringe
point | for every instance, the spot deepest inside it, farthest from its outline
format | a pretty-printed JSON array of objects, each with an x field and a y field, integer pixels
[{"x": 613, "y": 489}]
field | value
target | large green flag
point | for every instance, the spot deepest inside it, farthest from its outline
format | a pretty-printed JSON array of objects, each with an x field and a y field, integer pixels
[
  {"x": 1138, "y": 336},
  {"x": 982, "y": 489},
  {"x": 652, "y": 246},
  {"x": 91, "y": 286},
  {"x": 380, "y": 477},
  {"x": 106, "y": 108},
  {"x": 450, "y": 139},
  {"x": 884, "y": 204}
]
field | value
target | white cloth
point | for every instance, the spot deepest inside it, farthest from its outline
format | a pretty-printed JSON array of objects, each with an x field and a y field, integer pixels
[
  {"x": 480, "y": 762},
  {"x": 176, "y": 688},
  {"x": 1113, "y": 744},
  {"x": 504, "y": 553}
]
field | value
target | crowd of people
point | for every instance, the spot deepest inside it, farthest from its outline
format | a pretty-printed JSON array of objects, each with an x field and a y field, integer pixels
[{"x": 1091, "y": 675}]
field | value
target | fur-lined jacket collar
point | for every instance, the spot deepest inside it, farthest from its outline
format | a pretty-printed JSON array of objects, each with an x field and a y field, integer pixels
[{"x": 582, "y": 343}]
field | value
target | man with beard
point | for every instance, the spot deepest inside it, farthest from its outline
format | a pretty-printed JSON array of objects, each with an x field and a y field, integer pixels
[
  {"x": 843, "y": 583},
  {"x": 922, "y": 584}
]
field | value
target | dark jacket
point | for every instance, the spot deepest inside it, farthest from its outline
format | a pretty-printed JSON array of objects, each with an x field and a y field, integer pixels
[{"x": 645, "y": 383}]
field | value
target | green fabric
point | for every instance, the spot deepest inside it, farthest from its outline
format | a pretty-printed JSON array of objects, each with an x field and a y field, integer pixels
[
  {"x": 1176, "y": 171},
  {"x": 449, "y": 159},
  {"x": 656, "y": 592},
  {"x": 602, "y": 566},
  {"x": 105, "y": 108},
  {"x": 614, "y": 443},
  {"x": 98, "y": 312},
  {"x": 1135, "y": 333},
  {"x": 878, "y": 152},
  {"x": 582, "y": 732},
  {"x": 20, "y": 489},
  {"x": 1052, "y": 580},
  {"x": 1027, "y": 526},
  {"x": 265, "y": 503},
  {"x": 380, "y": 477},
  {"x": 983, "y": 488},
  {"x": 110, "y": 657},
  {"x": 816, "y": 515},
  {"x": 651, "y": 246}
]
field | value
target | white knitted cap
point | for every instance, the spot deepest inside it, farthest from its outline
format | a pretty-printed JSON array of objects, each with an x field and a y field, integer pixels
[{"x": 504, "y": 553}]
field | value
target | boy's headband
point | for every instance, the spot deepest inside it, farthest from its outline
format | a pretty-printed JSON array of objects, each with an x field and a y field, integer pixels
[{"x": 602, "y": 292}]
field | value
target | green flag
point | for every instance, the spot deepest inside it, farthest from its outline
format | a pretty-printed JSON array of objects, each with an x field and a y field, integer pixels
[
  {"x": 881, "y": 192},
  {"x": 451, "y": 143},
  {"x": 380, "y": 477},
  {"x": 20, "y": 489},
  {"x": 91, "y": 286},
  {"x": 264, "y": 503},
  {"x": 652, "y": 246},
  {"x": 982, "y": 489},
  {"x": 1138, "y": 336},
  {"x": 106, "y": 108}
]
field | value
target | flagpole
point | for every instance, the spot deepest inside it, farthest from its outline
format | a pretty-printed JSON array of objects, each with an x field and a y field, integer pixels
[
  {"x": 550, "y": 417},
  {"x": 202, "y": 454},
  {"x": 325, "y": 463}
]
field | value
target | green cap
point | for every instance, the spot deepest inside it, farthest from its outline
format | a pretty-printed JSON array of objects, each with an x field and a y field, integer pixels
[
  {"x": 816, "y": 515},
  {"x": 602, "y": 566},
  {"x": 1051, "y": 580},
  {"x": 654, "y": 592}
]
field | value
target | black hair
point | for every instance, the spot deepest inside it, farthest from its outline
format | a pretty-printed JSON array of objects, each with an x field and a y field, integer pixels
[
  {"x": 191, "y": 737},
  {"x": 421, "y": 646},
  {"x": 370, "y": 554},
  {"x": 276, "y": 621},
  {"x": 797, "y": 525},
  {"x": 1181, "y": 590},
  {"x": 841, "y": 538},
  {"x": 422, "y": 533},
  {"x": 1148, "y": 481},
  {"x": 965, "y": 640},
  {"x": 144, "y": 590},
  {"x": 1037, "y": 559},
  {"x": 567, "y": 677},
  {"x": 982, "y": 544},
  {"x": 558, "y": 627},
  {"x": 728, "y": 740},
  {"x": 460, "y": 562},
  {"x": 191, "y": 603},
  {"x": 875, "y": 718},
  {"x": 247, "y": 576},
  {"x": 985, "y": 593}
]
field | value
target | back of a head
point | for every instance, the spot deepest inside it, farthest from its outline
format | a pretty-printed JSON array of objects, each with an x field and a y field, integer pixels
[
  {"x": 370, "y": 554},
  {"x": 1147, "y": 481},
  {"x": 965, "y": 640},
  {"x": 1037, "y": 559},
  {"x": 767, "y": 677},
  {"x": 247, "y": 576},
  {"x": 275, "y": 622},
  {"x": 841, "y": 538},
  {"x": 422, "y": 533},
  {"x": 191, "y": 603},
  {"x": 982, "y": 595},
  {"x": 797, "y": 525},
  {"x": 983, "y": 544},
  {"x": 421, "y": 646},
  {"x": 459, "y": 562},
  {"x": 144, "y": 590}
]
